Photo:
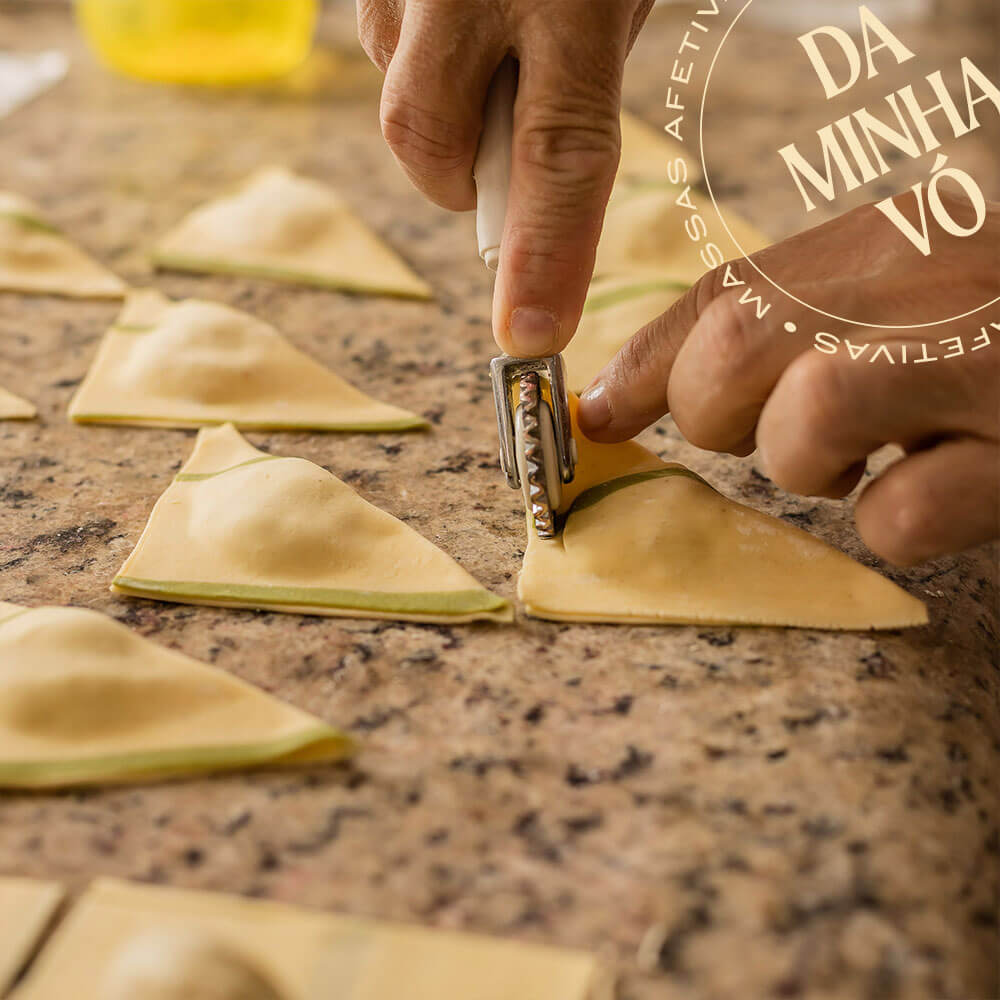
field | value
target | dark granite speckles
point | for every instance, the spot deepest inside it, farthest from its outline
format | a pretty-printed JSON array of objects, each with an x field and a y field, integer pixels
[{"x": 793, "y": 814}]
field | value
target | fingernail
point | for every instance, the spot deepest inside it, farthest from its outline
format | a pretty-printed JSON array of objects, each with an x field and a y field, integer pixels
[
  {"x": 595, "y": 408},
  {"x": 533, "y": 331}
]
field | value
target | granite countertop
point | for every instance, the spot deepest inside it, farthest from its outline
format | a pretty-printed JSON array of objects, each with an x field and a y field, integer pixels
[{"x": 778, "y": 813}]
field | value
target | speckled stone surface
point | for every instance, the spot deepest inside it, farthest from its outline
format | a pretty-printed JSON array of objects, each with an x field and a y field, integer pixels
[{"x": 800, "y": 814}]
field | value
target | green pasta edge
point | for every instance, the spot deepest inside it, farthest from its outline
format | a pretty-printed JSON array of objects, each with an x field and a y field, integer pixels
[
  {"x": 181, "y": 262},
  {"x": 606, "y": 300},
  {"x": 601, "y": 492},
  {"x": 31, "y": 222},
  {"x": 378, "y": 427},
  {"x": 456, "y": 602},
  {"x": 193, "y": 760},
  {"x": 198, "y": 477}
]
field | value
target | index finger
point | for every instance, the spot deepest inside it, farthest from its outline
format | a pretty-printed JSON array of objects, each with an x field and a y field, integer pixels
[{"x": 566, "y": 148}]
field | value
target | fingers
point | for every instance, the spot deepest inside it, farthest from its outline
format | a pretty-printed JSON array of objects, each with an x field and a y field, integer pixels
[
  {"x": 433, "y": 96},
  {"x": 638, "y": 20},
  {"x": 566, "y": 149},
  {"x": 378, "y": 29},
  {"x": 934, "y": 502},
  {"x": 725, "y": 371},
  {"x": 631, "y": 392},
  {"x": 828, "y": 413}
]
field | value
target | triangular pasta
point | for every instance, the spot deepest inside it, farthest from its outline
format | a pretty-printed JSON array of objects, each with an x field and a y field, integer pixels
[
  {"x": 650, "y": 155},
  {"x": 27, "y": 907},
  {"x": 83, "y": 700},
  {"x": 305, "y": 954},
  {"x": 14, "y": 408},
  {"x": 193, "y": 363},
  {"x": 646, "y": 234},
  {"x": 646, "y": 542},
  {"x": 36, "y": 258},
  {"x": 288, "y": 228},
  {"x": 616, "y": 308},
  {"x": 240, "y": 528}
]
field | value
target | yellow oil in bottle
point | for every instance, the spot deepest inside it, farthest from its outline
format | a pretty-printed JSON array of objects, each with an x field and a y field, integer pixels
[{"x": 214, "y": 42}]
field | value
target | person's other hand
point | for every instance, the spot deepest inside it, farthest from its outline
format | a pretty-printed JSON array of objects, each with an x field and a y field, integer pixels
[
  {"x": 439, "y": 57},
  {"x": 734, "y": 383}
]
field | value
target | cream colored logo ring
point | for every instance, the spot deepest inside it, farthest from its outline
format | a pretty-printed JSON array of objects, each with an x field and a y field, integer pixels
[{"x": 753, "y": 264}]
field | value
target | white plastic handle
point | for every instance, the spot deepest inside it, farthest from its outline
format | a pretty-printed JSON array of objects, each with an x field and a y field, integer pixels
[{"x": 492, "y": 167}]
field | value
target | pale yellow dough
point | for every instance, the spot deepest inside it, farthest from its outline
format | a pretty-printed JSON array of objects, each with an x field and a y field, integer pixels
[
  {"x": 644, "y": 235},
  {"x": 27, "y": 907},
  {"x": 648, "y": 151},
  {"x": 183, "y": 964},
  {"x": 240, "y": 528},
  {"x": 36, "y": 258},
  {"x": 616, "y": 308},
  {"x": 307, "y": 955},
  {"x": 83, "y": 700},
  {"x": 14, "y": 408},
  {"x": 194, "y": 363},
  {"x": 288, "y": 228},
  {"x": 646, "y": 258},
  {"x": 666, "y": 548}
]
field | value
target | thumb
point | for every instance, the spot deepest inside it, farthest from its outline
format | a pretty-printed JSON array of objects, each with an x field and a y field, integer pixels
[{"x": 566, "y": 148}]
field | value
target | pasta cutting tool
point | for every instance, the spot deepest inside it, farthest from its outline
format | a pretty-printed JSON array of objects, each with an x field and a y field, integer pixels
[{"x": 537, "y": 450}]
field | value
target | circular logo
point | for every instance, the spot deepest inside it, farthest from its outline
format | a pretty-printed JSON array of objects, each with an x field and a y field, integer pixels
[{"x": 863, "y": 135}]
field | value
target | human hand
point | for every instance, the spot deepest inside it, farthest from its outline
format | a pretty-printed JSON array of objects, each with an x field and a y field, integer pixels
[
  {"x": 734, "y": 383},
  {"x": 439, "y": 57}
]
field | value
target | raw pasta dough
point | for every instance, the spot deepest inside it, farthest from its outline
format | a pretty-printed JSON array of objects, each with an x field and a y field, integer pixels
[
  {"x": 183, "y": 964},
  {"x": 26, "y": 910},
  {"x": 83, "y": 700},
  {"x": 36, "y": 258},
  {"x": 191, "y": 363},
  {"x": 645, "y": 259},
  {"x": 644, "y": 541},
  {"x": 288, "y": 228},
  {"x": 648, "y": 152},
  {"x": 14, "y": 408},
  {"x": 240, "y": 528},
  {"x": 644, "y": 234},
  {"x": 306, "y": 954},
  {"x": 616, "y": 308}
]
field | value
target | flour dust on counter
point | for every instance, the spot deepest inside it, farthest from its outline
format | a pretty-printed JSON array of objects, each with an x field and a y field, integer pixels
[
  {"x": 280, "y": 226},
  {"x": 300, "y": 954},
  {"x": 196, "y": 363},
  {"x": 644, "y": 542},
  {"x": 242, "y": 528},
  {"x": 36, "y": 258},
  {"x": 14, "y": 408},
  {"x": 85, "y": 701}
]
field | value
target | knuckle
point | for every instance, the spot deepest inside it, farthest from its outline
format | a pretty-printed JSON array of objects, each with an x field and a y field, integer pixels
[
  {"x": 708, "y": 403},
  {"x": 425, "y": 141},
  {"x": 376, "y": 33},
  {"x": 818, "y": 393},
  {"x": 575, "y": 148},
  {"x": 638, "y": 356},
  {"x": 726, "y": 340},
  {"x": 784, "y": 464},
  {"x": 531, "y": 251},
  {"x": 902, "y": 527},
  {"x": 980, "y": 386}
]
